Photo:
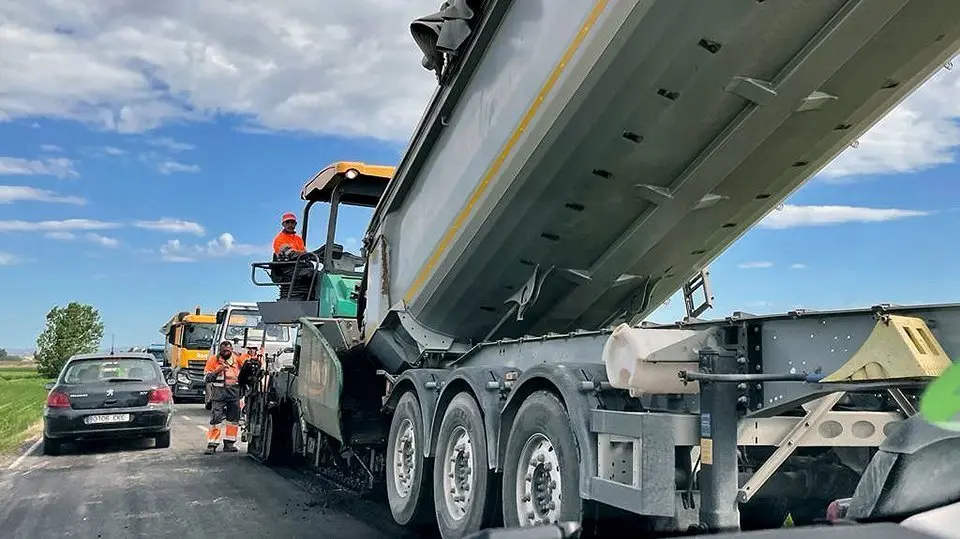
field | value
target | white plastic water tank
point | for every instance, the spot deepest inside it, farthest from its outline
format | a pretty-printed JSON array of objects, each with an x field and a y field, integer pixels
[{"x": 648, "y": 361}]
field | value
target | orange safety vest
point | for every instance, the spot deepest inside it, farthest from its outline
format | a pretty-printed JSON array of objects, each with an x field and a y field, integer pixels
[
  {"x": 229, "y": 376},
  {"x": 285, "y": 238}
]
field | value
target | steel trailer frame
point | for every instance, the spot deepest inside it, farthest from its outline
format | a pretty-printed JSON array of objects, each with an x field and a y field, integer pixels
[{"x": 742, "y": 394}]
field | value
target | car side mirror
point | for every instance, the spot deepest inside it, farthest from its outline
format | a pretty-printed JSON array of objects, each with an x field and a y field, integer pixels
[{"x": 48, "y": 386}]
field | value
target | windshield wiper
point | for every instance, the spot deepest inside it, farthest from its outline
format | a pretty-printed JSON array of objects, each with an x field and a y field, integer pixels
[{"x": 124, "y": 380}]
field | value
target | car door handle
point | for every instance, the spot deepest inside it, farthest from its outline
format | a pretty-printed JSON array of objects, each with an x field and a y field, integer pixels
[{"x": 110, "y": 401}]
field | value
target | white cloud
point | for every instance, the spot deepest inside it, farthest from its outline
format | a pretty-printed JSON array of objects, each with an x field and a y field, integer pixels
[
  {"x": 60, "y": 167},
  {"x": 221, "y": 246},
  {"x": 755, "y": 265},
  {"x": 798, "y": 266},
  {"x": 102, "y": 240},
  {"x": 93, "y": 237},
  {"x": 348, "y": 68},
  {"x": 175, "y": 226},
  {"x": 8, "y": 259},
  {"x": 921, "y": 133},
  {"x": 50, "y": 148},
  {"x": 170, "y": 144},
  {"x": 55, "y": 226},
  {"x": 170, "y": 167},
  {"x": 792, "y": 216},
  {"x": 113, "y": 150},
  {"x": 21, "y": 193}
]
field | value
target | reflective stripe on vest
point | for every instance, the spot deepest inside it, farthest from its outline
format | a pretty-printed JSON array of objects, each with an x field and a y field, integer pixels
[{"x": 230, "y": 375}]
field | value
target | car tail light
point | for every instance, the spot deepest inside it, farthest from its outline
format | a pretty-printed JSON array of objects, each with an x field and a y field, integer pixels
[
  {"x": 58, "y": 399},
  {"x": 160, "y": 395}
]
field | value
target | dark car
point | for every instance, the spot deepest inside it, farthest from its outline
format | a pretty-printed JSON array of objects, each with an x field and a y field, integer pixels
[{"x": 101, "y": 396}]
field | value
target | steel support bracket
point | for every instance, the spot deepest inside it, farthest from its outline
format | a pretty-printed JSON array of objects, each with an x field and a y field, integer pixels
[{"x": 787, "y": 446}]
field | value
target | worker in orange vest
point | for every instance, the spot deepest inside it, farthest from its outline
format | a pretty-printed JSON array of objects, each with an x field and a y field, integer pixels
[
  {"x": 288, "y": 246},
  {"x": 221, "y": 372},
  {"x": 287, "y": 238}
]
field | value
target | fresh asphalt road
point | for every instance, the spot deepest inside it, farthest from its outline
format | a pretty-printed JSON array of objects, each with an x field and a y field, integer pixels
[{"x": 131, "y": 489}]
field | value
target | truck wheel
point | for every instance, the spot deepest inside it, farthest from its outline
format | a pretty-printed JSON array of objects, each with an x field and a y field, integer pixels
[
  {"x": 296, "y": 441},
  {"x": 464, "y": 493},
  {"x": 408, "y": 491},
  {"x": 541, "y": 474},
  {"x": 265, "y": 442},
  {"x": 276, "y": 446}
]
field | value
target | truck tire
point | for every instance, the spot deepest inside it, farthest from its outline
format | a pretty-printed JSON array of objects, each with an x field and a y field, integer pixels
[
  {"x": 296, "y": 441},
  {"x": 276, "y": 445},
  {"x": 463, "y": 484},
  {"x": 408, "y": 489},
  {"x": 541, "y": 466}
]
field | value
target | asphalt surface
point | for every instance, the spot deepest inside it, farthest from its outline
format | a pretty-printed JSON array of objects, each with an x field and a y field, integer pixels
[{"x": 131, "y": 489}]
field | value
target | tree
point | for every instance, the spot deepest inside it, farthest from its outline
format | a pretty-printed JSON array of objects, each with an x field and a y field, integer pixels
[
  {"x": 3, "y": 354},
  {"x": 74, "y": 329}
]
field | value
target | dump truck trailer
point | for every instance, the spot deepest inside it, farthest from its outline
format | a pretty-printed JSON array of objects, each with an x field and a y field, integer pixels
[{"x": 482, "y": 358}]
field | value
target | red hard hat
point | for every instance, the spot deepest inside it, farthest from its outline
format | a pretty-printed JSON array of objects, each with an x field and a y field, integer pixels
[{"x": 288, "y": 217}]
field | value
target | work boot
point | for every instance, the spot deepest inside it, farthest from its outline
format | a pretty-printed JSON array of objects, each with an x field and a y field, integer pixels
[
  {"x": 229, "y": 447},
  {"x": 211, "y": 449}
]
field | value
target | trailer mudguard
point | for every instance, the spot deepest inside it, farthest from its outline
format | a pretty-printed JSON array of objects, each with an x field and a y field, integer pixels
[
  {"x": 426, "y": 384},
  {"x": 488, "y": 389},
  {"x": 567, "y": 380}
]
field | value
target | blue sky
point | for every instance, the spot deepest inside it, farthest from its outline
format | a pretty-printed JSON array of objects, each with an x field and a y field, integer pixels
[{"x": 145, "y": 191}]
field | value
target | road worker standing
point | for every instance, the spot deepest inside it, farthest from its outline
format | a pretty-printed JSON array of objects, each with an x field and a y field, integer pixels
[{"x": 221, "y": 372}]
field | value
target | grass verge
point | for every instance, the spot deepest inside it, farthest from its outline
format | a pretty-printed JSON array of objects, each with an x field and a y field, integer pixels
[{"x": 21, "y": 404}]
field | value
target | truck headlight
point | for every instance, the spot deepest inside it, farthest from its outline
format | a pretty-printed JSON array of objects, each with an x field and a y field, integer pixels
[{"x": 183, "y": 378}]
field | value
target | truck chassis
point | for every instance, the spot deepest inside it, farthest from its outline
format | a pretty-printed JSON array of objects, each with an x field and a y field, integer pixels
[{"x": 776, "y": 416}]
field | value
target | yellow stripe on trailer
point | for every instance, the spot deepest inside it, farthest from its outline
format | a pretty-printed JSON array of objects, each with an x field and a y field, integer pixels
[{"x": 480, "y": 189}]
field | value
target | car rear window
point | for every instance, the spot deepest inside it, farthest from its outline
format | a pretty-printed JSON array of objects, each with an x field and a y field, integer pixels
[{"x": 104, "y": 370}]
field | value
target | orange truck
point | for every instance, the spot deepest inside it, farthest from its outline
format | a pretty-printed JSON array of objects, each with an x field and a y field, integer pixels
[{"x": 189, "y": 337}]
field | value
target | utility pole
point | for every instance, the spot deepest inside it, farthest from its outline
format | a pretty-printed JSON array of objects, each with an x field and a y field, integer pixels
[{"x": 112, "y": 341}]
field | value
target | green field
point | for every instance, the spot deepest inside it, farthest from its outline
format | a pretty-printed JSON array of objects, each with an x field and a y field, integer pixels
[
  {"x": 21, "y": 403},
  {"x": 17, "y": 372}
]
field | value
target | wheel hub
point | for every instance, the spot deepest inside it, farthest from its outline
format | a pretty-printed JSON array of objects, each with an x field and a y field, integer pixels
[
  {"x": 404, "y": 459},
  {"x": 538, "y": 483},
  {"x": 458, "y": 468}
]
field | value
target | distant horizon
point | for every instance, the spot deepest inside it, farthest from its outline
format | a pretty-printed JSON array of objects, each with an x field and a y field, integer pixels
[{"x": 30, "y": 351}]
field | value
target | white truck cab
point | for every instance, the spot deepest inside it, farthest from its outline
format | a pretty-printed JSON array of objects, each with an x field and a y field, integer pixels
[{"x": 240, "y": 323}]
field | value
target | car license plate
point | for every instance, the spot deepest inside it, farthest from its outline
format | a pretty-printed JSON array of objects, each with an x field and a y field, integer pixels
[{"x": 108, "y": 418}]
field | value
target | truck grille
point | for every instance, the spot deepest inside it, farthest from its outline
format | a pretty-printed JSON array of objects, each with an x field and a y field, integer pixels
[{"x": 195, "y": 368}]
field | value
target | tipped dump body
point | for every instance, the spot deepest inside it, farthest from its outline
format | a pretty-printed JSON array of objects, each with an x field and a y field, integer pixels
[{"x": 585, "y": 158}]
